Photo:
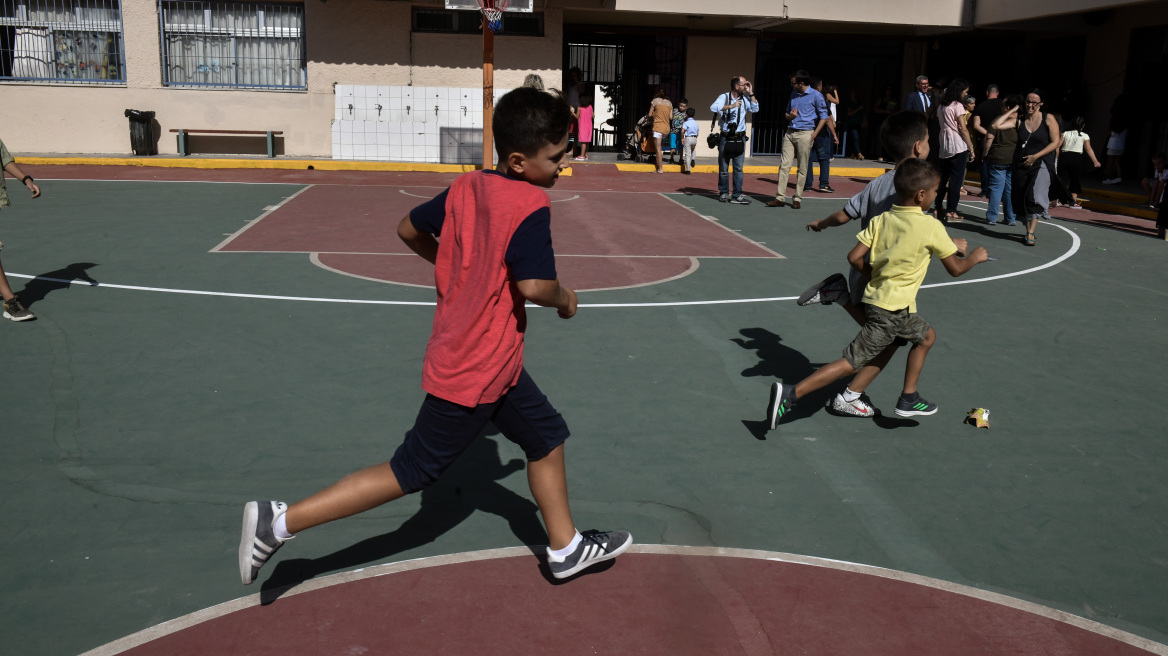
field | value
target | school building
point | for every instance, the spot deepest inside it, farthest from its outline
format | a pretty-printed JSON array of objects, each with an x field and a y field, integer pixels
[{"x": 401, "y": 80}]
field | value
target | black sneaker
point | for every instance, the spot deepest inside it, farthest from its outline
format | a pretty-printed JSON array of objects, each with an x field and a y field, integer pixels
[
  {"x": 595, "y": 547},
  {"x": 831, "y": 289},
  {"x": 15, "y": 310},
  {"x": 259, "y": 541},
  {"x": 740, "y": 200},
  {"x": 912, "y": 408},
  {"x": 826, "y": 189},
  {"x": 782, "y": 401}
]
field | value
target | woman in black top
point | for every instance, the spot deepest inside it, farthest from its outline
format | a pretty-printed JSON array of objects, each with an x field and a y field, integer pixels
[{"x": 1039, "y": 139}]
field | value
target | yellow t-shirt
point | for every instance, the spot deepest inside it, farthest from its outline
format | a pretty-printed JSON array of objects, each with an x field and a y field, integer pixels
[{"x": 901, "y": 241}]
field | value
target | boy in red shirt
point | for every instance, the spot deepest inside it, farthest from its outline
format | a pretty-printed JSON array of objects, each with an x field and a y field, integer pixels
[{"x": 495, "y": 255}]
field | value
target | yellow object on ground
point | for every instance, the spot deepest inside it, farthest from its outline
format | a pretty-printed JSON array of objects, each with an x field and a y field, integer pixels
[{"x": 979, "y": 417}]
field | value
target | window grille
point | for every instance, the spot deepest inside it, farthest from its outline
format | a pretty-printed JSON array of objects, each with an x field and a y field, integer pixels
[
  {"x": 225, "y": 44},
  {"x": 65, "y": 41},
  {"x": 452, "y": 21}
]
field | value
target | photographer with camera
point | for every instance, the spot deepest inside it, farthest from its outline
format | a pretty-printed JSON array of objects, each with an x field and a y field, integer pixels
[
  {"x": 731, "y": 108},
  {"x": 807, "y": 113}
]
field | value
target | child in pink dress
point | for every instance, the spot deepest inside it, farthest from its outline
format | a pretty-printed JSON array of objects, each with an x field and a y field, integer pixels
[{"x": 585, "y": 122}]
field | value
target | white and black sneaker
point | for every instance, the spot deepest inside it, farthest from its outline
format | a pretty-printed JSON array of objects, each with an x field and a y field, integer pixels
[
  {"x": 16, "y": 311},
  {"x": 594, "y": 547},
  {"x": 861, "y": 407},
  {"x": 740, "y": 200},
  {"x": 831, "y": 289},
  {"x": 259, "y": 540}
]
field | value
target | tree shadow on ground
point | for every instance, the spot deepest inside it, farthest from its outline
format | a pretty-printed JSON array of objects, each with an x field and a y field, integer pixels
[
  {"x": 778, "y": 361},
  {"x": 469, "y": 485},
  {"x": 39, "y": 287}
]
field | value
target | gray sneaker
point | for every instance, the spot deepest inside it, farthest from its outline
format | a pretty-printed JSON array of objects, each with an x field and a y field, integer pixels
[
  {"x": 740, "y": 200},
  {"x": 831, "y": 289},
  {"x": 15, "y": 310},
  {"x": 258, "y": 541},
  {"x": 724, "y": 198},
  {"x": 595, "y": 547}
]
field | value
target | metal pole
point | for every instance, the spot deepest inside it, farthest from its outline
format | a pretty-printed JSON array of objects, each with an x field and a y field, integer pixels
[{"x": 488, "y": 93}]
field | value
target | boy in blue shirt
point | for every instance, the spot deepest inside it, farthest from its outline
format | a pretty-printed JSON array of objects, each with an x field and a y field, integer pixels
[{"x": 689, "y": 139}]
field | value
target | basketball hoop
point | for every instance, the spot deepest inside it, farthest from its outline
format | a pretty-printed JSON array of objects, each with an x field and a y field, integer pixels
[{"x": 493, "y": 12}]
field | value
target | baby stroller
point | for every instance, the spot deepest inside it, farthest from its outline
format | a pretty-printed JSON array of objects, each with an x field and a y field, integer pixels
[{"x": 640, "y": 147}]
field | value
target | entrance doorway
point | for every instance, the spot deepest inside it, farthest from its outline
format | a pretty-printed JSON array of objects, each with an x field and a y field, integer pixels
[
  {"x": 865, "y": 66},
  {"x": 625, "y": 71}
]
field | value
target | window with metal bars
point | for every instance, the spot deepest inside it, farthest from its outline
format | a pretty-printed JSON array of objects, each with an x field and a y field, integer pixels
[
  {"x": 62, "y": 41},
  {"x": 232, "y": 44},
  {"x": 452, "y": 21}
]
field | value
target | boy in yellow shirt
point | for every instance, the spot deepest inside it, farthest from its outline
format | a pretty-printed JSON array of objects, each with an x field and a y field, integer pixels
[{"x": 901, "y": 242}]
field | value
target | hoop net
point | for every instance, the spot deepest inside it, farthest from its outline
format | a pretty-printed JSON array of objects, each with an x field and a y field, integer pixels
[{"x": 493, "y": 12}]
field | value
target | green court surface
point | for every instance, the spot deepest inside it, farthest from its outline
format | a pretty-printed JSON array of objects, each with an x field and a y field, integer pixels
[{"x": 136, "y": 422}]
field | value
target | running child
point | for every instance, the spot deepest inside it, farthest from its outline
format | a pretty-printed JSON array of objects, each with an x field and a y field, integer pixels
[
  {"x": 893, "y": 252},
  {"x": 903, "y": 136},
  {"x": 495, "y": 255},
  {"x": 13, "y": 308}
]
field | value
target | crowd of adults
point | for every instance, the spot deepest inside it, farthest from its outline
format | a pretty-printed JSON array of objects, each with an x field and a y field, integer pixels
[{"x": 1028, "y": 159}]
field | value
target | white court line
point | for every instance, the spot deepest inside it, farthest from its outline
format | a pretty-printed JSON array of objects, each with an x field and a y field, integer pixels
[{"x": 1076, "y": 242}]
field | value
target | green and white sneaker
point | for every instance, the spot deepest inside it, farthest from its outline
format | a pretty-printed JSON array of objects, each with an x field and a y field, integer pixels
[
  {"x": 906, "y": 408},
  {"x": 782, "y": 402}
]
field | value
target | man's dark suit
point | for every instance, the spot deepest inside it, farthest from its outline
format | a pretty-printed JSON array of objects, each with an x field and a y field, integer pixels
[{"x": 913, "y": 102}]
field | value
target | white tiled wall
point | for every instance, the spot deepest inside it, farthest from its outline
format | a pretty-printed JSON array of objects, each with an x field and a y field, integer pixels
[{"x": 409, "y": 124}]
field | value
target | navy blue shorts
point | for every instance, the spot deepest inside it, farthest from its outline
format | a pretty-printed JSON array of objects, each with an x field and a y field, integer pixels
[{"x": 444, "y": 430}]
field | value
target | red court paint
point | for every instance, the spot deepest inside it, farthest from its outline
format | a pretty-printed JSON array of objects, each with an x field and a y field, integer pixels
[
  {"x": 602, "y": 240},
  {"x": 643, "y": 604}
]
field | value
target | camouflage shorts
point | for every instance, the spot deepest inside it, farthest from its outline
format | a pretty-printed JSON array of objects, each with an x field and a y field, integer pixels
[{"x": 881, "y": 329}]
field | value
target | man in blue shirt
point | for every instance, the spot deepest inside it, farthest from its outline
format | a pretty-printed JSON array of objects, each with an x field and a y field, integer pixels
[
  {"x": 807, "y": 115},
  {"x": 732, "y": 108}
]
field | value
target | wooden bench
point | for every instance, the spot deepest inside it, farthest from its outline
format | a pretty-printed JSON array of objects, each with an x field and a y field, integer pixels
[{"x": 184, "y": 145}]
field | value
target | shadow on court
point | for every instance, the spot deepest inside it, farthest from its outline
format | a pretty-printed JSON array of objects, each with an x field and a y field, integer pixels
[
  {"x": 790, "y": 366},
  {"x": 40, "y": 287},
  {"x": 777, "y": 361},
  {"x": 468, "y": 486}
]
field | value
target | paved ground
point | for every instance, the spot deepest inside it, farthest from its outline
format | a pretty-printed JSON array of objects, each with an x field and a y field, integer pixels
[{"x": 171, "y": 382}]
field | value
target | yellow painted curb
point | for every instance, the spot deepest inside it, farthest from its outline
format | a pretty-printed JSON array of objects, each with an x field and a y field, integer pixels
[
  {"x": 286, "y": 164},
  {"x": 1134, "y": 212},
  {"x": 867, "y": 172},
  {"x": 1122, "y": 197}
]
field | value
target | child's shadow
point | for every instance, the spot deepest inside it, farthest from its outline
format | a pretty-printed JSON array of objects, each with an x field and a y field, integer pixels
[
  {"x": 38, "y": 288},
  {"x": 785, "y": 363},
  {"x": 469, "y": 485}
]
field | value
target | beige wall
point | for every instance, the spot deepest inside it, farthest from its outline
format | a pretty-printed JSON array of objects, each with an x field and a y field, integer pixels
[
  {"x": 931, "y": 12},
  {"x": 364, "y": 42},
  {"x": 990, "y": 12},
  {"x": 707, "y": 74}
]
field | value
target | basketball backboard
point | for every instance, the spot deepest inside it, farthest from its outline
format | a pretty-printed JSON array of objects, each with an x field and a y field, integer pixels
[{"x": 524, "y": 6}]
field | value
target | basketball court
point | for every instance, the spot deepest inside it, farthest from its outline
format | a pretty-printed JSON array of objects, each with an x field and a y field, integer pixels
[{"x": 205, "y": 338}]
